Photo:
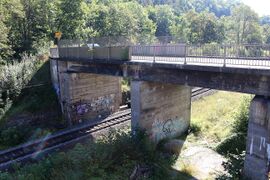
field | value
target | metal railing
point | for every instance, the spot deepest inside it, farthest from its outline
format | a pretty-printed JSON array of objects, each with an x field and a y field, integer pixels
[
  {"x": 250, "y": 55},
  {"x": 163, "y": 49}
]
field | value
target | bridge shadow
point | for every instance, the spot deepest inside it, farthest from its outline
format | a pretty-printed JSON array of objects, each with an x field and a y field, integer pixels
[{"x": 34, "y": 112}]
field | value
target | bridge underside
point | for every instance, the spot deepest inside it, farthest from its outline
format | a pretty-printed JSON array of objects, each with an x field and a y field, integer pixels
[{"x": 252, "y": 81}]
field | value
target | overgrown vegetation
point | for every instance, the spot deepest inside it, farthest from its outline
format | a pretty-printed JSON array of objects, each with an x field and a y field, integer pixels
[
  {"x": 234, "y": 147},
  {"x": 113, "y": 157},
  {"x": 29, "y": 107},
  {"x": 222, "y": 123},
  {"x": 14, "y": 77},
  {"x": 215, "y": 116}
]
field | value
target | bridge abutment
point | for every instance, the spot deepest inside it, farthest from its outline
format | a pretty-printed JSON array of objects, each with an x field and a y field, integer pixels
[
  {"x": 258, "y": 141},
  {"x": 162, "y": 110},
  {"x": 85, "y": 96}
]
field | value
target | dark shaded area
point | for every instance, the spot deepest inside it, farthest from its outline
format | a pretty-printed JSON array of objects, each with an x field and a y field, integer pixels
[{"x": 35, "y": 113}]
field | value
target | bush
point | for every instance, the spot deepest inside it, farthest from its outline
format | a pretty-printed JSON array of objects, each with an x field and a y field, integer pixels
[
  {"x": 13, "y": 78},
  {"x": 195, "y": 129},
  {"x": 113, "y": 157},
  {"x": 13, "y": 136},
  {"x": 234, "y": 147},
  {"x": 241, "y": 117}
]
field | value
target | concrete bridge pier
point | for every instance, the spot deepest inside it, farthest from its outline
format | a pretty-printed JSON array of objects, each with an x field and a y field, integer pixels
[
  {"x": 162, "y": 110},
  {"x": 85, "y": 96},
  {"x": 258, "y": 142}
]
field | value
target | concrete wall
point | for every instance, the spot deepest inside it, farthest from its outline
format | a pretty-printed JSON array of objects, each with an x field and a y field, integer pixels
[
  {"x": 258, "y": 143},
  {"x": 90, "y": 96},
  {"x": 85, "y": 96},
  {"x": 163, "y": 110}
]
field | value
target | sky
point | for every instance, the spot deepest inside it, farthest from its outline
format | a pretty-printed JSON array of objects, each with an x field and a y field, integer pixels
[{"x": 262, "y": 7}]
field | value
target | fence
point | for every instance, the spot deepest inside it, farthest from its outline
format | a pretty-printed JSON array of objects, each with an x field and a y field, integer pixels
[
  {"x": 166, "y": 49},
  {"x": 95, "y": 48},
  {"x": 251, "y": 55}
]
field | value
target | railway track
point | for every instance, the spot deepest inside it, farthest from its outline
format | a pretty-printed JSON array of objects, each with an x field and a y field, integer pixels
[
  {"x": 54, "y": 142},
  {"x": 31, "y": 150},
  {"x": 197, "y": 93}
]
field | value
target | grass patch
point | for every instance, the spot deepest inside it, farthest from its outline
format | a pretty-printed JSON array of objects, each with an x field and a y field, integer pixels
[{"x": 214, "y": 117}]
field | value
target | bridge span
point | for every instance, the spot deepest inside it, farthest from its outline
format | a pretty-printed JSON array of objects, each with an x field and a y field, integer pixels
[{"x": 88, "y": 78}]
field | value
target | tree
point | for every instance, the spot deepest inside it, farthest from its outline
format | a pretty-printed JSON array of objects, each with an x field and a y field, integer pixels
[
  {"x": 70, "y": 19},
  {"x": 163, "y": 16},
  {"x": 119, "y": 19},
  {"x": 8, "y": 9},
  {"x": 203, "y": 27},
  {"x": 243, "y": 26},
  {"x": 266, "y": 33}
]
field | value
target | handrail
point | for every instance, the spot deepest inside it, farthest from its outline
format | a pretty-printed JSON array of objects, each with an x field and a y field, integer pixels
[{"x": 231, "y": 54}]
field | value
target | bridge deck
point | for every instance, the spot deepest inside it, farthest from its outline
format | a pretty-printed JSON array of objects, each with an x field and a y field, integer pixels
[{"x": 202, "y": 61}]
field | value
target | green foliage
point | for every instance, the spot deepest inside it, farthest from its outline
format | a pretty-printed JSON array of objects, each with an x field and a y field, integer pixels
[
  {"x": 13, "y": 78},
  {"x": 113, "y": 157},
  {"x": 233, "y": 166},
  {"x": 234, "y": 147},
  {"x": 164, "y": 18},
  {"x": 203, "y": 28},
  {"x": 236, "y": 143},
  {"x": 195, "y": 129},
  {"x": 247, "y": 28},
  {"x": 241, "y": 117},
  {"x": 119, "y": 19},
  {"x": 13, "y": 136}
]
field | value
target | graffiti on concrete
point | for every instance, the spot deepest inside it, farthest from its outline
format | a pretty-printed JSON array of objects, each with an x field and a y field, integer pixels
[
  {"x": 94, "y": 106},
  {"x": 166, "y": 128}
]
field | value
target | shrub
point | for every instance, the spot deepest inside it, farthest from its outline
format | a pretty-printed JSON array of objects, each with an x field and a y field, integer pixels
[
  {"x": 241, "y": 117},
  {"x": 195, "y": 129},
  {"x": 113, "y": 157},
  {"x": 234, "y": 147},
  {"x": 13, "y": 136},
  {"x": 13, "y": 78}
]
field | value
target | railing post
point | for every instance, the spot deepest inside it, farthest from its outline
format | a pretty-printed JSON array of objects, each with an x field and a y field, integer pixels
[
  {"x": 79, "y": 46},
  {"x": 185, "y": 60},
  {"x": 129, "y": 53},
  {"x": 224, "y": 61},
  {"x": 92, "y": 54},
  {"x": 154, "y": 54},
  {"x": 109, "y": 53}
]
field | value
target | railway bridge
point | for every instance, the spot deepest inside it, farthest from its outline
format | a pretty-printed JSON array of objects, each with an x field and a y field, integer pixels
[{"x": 87, "y": 78}]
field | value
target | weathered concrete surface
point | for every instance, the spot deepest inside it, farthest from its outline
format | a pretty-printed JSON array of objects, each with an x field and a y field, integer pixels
[
  {"x": 252, "y": 81},
  {"x": 90, "y": 96},
  {"x": 85, "y": 96},
  {"x": 258, "y": 144},
  {"x": 163, "y": 110}
]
